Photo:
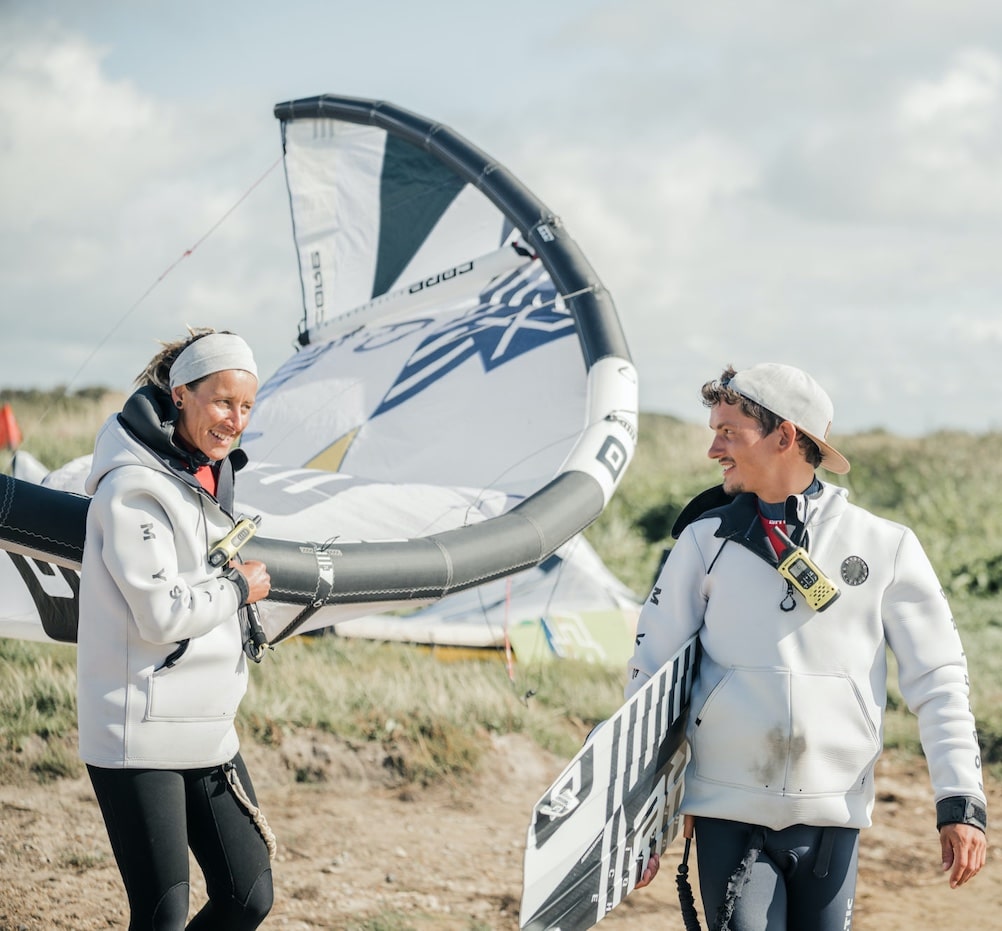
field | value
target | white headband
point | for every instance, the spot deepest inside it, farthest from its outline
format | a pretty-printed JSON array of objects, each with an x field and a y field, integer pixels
[{"x": 217, "y": 352}]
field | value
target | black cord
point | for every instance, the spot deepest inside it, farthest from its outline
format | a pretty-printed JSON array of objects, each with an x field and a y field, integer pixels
[{"x": 686, "y": 901}]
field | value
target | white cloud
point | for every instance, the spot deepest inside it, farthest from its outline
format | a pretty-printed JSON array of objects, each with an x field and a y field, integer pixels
[
  {"x": 644, "y": 210},
  {"x": 966, "y": 97},
  {"x": 73, "y": 140},
  {"x": 751, "y": 181},
  {"x": 104, "y": 189}
]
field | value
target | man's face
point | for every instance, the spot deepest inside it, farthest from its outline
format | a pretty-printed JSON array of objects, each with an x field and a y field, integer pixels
[{"x": 745, "y": 455}]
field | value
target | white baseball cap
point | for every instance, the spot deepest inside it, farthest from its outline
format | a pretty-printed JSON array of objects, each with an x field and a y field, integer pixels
[{"x": 794, "y": 396}]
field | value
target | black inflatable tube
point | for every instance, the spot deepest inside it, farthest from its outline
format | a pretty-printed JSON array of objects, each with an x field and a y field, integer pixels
[
  {"x": 49, "y": 525},
  {"x": 41, "y": 522}
]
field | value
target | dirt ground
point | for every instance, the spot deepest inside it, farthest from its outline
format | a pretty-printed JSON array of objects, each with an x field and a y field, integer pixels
[{"x": 356, "y": 852}]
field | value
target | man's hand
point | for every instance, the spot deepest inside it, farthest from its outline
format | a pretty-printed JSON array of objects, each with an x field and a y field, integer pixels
[
  {"x": 964, "y": 850},
  {"x": 653, "y": 865}
]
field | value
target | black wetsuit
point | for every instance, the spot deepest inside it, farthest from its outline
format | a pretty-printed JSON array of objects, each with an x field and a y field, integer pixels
[
  {"x": 801, "y": 878},
  {"x": 154, "y": 815}
]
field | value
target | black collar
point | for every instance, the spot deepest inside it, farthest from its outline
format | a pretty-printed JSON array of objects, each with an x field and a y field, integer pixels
[{"x": 739, "y": 517}]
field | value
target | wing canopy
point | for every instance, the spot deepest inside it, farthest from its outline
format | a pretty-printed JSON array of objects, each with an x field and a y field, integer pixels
[{"x": 463, "y": 402}]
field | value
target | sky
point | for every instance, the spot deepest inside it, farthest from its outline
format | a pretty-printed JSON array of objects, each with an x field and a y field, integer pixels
[{"x": 812, "y": 183}]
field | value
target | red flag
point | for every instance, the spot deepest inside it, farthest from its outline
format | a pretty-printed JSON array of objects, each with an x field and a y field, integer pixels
[{"x": 10, "y": 433}]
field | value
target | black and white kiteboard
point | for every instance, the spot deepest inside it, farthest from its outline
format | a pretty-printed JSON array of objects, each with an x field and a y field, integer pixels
[{"x": 616, "y": 803}]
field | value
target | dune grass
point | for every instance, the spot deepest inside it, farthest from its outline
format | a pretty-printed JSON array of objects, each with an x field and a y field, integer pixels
[
  {"x": 58, "y": 426},
  {"x": 435, "y": 716}
]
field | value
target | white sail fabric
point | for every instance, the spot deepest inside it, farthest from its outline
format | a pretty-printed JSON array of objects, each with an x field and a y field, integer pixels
[
  {"x": 372, "y": 213},
  {"x": 486, "y": 391},
  {"x": 439, "y": 350}
]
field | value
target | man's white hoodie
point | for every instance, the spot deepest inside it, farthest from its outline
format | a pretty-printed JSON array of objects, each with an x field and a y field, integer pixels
[{"x": 786, "y": 717}]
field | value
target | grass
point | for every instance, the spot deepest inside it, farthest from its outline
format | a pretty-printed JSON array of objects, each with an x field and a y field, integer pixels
[
  {"x": 58, "y": 426},
  {"x": 670, "y": 467},
  {"x": 37, "y": 709},
  {"x": 433, "y": 719}
]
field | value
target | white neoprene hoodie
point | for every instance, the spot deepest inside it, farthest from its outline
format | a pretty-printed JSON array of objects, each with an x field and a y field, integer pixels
[
  {"x": 786, "y": 718},
  {"x": 146, "y": 587}
]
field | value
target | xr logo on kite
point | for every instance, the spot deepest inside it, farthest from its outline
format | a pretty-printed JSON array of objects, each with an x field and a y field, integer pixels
[{"x": 513, "y": 318}]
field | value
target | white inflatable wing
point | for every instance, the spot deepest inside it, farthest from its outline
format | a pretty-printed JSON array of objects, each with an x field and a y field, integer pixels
[{"x": 460, "y": 360}]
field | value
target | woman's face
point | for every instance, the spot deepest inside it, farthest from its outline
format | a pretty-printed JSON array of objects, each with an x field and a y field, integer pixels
[{"x": 214, "y": 412}]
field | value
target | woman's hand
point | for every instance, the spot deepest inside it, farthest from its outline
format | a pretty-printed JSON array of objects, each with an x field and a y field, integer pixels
[{"x": 258, "y": 580}]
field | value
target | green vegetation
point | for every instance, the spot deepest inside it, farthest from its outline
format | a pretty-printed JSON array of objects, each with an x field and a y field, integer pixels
[
  {"x": 58, "y": 425},
  {"x": 669, "y": 468},
  {"x": 432, "y": 719},
  {"x": 37, "y": 710},
  {"x": 943, "y": 486}
]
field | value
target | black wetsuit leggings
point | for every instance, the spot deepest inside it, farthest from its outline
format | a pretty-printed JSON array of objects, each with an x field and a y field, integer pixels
[
  {"x": 154, "y": 815},
  {"x": 802, "y": 878}
]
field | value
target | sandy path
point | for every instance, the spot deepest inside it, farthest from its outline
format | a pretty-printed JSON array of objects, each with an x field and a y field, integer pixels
[{"x": 353, "y": 848}]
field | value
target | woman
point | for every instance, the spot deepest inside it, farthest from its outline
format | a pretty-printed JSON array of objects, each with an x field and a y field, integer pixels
[{"x": 161, "y": 664}]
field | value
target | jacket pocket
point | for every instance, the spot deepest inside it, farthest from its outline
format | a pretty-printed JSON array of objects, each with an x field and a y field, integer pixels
[
  {"x": 738, "y": 737},
  {"x": 841, "y": 741},
  {"x": 195, "y": 688},
  {"x": 779, "y": 732}
]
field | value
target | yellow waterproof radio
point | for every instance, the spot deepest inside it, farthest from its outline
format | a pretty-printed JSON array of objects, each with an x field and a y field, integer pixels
[
  {"x": 227, "y": 548},
  {"x": 804, "y": 574}
]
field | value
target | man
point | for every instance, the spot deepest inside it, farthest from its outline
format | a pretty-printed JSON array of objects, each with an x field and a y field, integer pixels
[{"x": 786, "y": 719}]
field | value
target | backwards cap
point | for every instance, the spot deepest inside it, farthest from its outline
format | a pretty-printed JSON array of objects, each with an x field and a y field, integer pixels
[{"x": 793, "y": 395}]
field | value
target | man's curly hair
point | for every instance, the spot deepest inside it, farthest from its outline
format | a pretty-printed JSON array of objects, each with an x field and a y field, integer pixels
[{"x": 718, "y": 392}]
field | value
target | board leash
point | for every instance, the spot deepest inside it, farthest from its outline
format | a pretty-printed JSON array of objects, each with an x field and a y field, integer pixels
[{"x": 686, "y": 900}]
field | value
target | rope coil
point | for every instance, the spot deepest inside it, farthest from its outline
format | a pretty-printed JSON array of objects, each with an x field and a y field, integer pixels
[{"x": 257, "y": 816}]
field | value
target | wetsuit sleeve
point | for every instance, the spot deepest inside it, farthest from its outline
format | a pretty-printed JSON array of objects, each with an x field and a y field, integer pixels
[
  {"x": 932, "y": 672},
  {"x": 140, "y": 553},
  {"x": 240, "y": 581},
  {"x": 672, "y": 613}
]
